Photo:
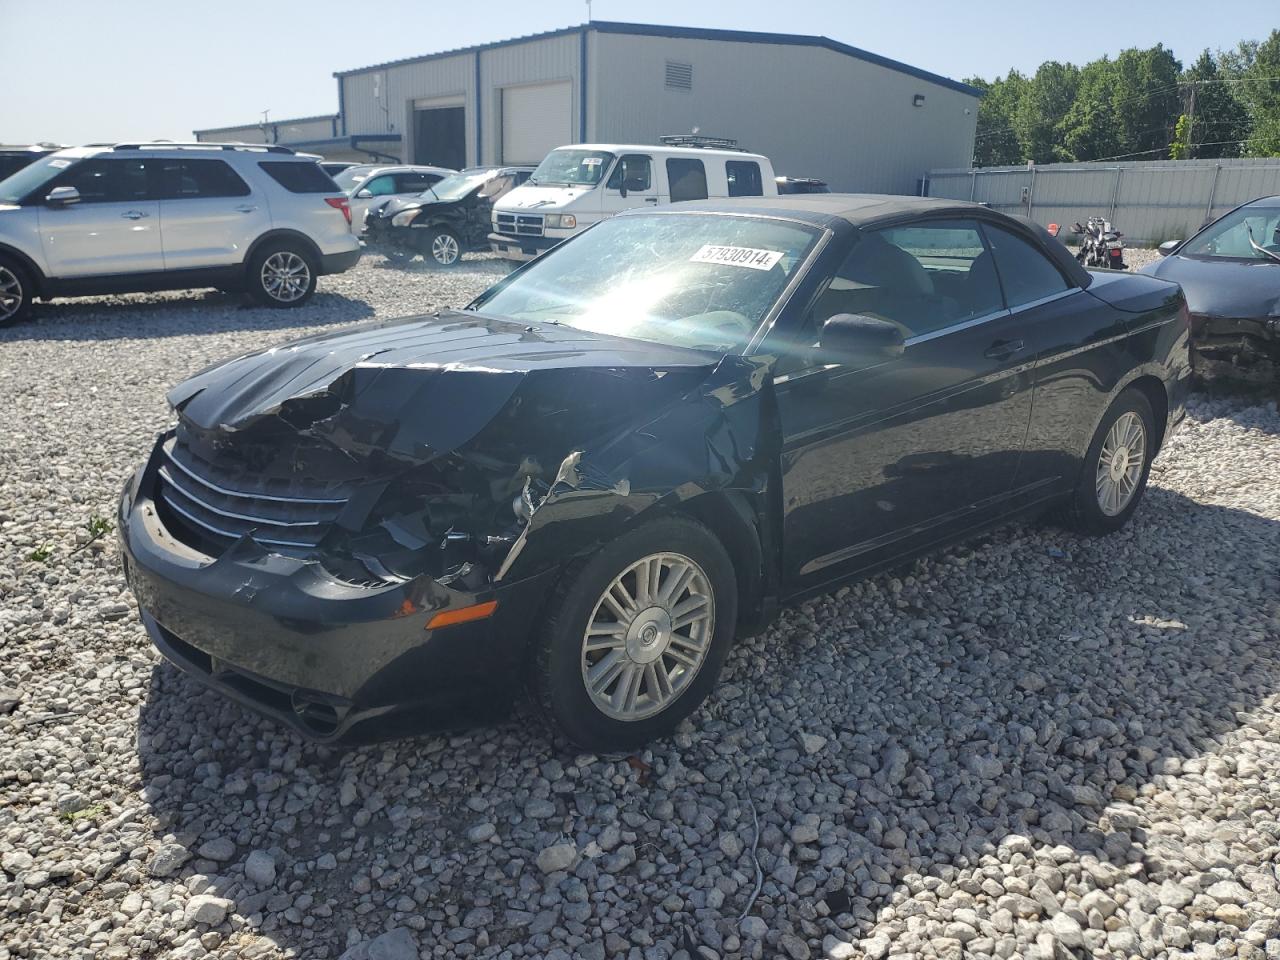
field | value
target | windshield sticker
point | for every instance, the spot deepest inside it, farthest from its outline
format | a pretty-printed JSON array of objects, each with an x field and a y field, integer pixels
[
  {"x": 591, "y": 161},
  {"x": 60, "y": 164},
  {"x": 748, "y": 257}
]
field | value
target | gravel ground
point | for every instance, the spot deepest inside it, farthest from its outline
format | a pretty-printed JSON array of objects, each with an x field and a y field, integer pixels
[{"x": 1032, "y": 745}]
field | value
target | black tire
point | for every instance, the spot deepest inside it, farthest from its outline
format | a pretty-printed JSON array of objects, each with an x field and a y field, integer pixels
[
  {"x": 16, "y": 292},
  {"x": 558, "y": 682},
  {"x": 1086, "y": 513},
  {"x": 281, "y": 255},
  {"x": 442, "y": 248}
]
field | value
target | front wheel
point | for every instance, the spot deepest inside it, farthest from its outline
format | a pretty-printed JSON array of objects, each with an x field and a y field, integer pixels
[
  {"x": 444, "y": 248},
  {"x": 636, "y": 635},
  {"x": 1114, "y": 474},
  {"x": 282, "y": 275}
]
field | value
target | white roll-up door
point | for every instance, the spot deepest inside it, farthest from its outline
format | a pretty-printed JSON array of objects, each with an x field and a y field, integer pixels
[{"x": 535, "y": 120}]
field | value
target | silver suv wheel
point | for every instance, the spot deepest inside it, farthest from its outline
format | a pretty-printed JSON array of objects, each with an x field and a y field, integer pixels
[
  {"x": 285, "y": 276},
  {"x": 444, "y": 249},
  {"x": 11, "y": 294}
]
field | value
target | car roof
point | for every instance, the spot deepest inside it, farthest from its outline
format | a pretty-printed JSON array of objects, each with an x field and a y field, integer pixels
[
  {"x": 1264, "y": 202},
  {"x": 664, "y": 149}
]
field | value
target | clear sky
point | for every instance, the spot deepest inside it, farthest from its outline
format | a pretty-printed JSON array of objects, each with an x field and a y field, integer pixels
[{"x": 77, "y": 71}]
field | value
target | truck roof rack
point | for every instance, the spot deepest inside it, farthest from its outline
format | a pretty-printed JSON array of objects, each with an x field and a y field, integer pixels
[
  {"x": 699, "y": 142},
  {"x": 200, "y": 144}
]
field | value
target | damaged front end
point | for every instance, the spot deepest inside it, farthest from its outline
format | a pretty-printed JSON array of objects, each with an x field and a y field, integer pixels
[
  {"x": 1239, "y": 349},
  {"x": 315, "y": 516}
]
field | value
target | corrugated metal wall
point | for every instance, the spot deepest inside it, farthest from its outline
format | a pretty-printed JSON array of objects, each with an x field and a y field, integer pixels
[
  {"x": 539, "y": 61},
  {"x": 814, "y": 112},
  {"x": 1148, "y": 201},
  {"x": 276, "y": 131}
]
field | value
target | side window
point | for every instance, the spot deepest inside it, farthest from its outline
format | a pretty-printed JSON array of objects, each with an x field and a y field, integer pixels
[
  {"x": 107, "y": 181},
  {"x": 1026, "y": 273},
  {"x": 415, "y": 182},
  {"x": 299, "y": 176},
  {"x": 744, "y": 178},
  {"x": 634, "y": 171},
  {"x": 956, "y": 270},
  {"x": 383, "y": 186},
  {"x": 189, "y": 179},
  {"x": 688, "y": 179}
]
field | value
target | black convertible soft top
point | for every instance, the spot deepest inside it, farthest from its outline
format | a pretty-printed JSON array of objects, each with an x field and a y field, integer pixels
[{"x": 866, "y": 210}]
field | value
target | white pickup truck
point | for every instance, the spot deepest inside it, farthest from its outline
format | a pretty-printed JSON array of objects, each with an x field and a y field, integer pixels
[{"x": 576, "y": 186}]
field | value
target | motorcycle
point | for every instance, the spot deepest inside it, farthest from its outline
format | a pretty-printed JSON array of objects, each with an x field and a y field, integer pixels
[{"x": 1100, "y": 245}]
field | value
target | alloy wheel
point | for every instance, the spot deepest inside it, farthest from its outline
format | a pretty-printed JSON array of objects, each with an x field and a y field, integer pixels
[
  {"x": 10, "y": 294},
  {"x": 285, "y": 276},
  {"x": 444, "y": 248},
  {"x": 1120, "y": 463},
  {"x": 648, "y": 636}
]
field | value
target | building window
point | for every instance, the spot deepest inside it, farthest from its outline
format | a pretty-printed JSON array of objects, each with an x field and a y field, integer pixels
[{"x": 679, "y": 75}]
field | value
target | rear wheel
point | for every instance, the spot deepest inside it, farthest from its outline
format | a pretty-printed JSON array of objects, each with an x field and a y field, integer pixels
[
  {"x": 1114, "y": 474},
  {"x": 444, "y": 248},
  {"x": 16, "y": 292},
  {"x": 282, "y": 275},
  {"x": 637, "y": 635}
]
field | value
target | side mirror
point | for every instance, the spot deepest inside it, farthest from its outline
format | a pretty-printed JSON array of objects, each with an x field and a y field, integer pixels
[
  {"x": 622, "y": 190},
  {"x": 62, "y": 197},
  {"x": 364, "y": 194},
  {"x": 1168, "y": 247},
  {"x": 853, "y": 336}
]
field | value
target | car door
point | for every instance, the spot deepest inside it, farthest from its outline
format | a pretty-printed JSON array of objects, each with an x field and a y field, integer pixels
[
  {"x": 632, "y": 174},
  {"x": 881, "y": 460},
  {"x": 477, "y": 209},
  {"x": 209, "y": 214},
  {"x": 114, "y": 228}
]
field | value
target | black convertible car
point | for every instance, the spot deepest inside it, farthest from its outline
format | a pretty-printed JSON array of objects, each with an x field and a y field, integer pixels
[
  {"x": 631, "y": 450},
  {"x": 1230, "y": 272}
]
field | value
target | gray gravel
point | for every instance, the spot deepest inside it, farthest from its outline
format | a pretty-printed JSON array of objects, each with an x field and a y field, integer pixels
[{"x": 1033, "y": 745}]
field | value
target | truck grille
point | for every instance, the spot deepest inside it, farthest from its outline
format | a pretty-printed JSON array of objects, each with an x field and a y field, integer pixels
[
  {"x": 209, "y": 511},
  {"x": 520, "y": 224}
]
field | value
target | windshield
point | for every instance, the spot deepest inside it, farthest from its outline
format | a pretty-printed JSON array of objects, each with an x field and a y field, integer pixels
[
  {"x": 349, "y": 177},
  {"x": 572, "y": 168},
  {"x": 29, "y": 178},
  {"x": 1229, "y": 237},
  {"x": 690, "y": 280},
  {"x": 455, "y": 186}
]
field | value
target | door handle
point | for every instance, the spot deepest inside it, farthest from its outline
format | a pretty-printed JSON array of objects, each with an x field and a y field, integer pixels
[
  {"x": 650, "y": 199},
  {"x": 134, "y": 214},
  {"x": 1003, "y": 349},
  {"x": 245, "y": 208}
]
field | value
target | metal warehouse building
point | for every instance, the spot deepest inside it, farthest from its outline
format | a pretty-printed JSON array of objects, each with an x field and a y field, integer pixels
[{"x": 816, "y": 107}]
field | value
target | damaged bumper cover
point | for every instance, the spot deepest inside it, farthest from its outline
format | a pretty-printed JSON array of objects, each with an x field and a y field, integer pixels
[
  {"x": 327, "y": 657},
  {"x": 1242, "y": 349}
]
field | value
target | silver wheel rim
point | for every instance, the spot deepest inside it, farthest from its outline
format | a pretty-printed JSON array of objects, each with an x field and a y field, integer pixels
[
  {"x": 285, "y": 276},
  {"x": 10, "y": 293},
  {"x": 1120, "y": 463},
  {"x": 444, "y": 248},
  {"x": 648, "y": 636}
]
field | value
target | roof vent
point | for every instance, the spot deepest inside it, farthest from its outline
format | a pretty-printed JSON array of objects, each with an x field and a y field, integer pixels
[{"x": 679, "y": 76}]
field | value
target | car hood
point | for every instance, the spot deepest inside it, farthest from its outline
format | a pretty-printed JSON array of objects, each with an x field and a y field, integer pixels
[
  {"x": 540, "y": 197},
  {"x": 399, "y": 204},
  {"x": 1224, "y": 288},
  {"x": 415, "y": 389}
]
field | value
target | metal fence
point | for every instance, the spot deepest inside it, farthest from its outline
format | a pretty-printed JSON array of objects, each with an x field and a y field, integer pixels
[{"x": 1149, "y": 201}]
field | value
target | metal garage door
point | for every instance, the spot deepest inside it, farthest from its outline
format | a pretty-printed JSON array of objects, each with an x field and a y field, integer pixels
[{"x": 535, "y": 120}]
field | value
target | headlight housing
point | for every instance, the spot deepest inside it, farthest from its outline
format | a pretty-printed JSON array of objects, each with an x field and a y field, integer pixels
[
  {"x": 557, "y": 221},
  {"x": 403, "y": 218}
]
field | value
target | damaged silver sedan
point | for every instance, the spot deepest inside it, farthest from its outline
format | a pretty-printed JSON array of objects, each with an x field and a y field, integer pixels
[{"x": 630, "y": 451}]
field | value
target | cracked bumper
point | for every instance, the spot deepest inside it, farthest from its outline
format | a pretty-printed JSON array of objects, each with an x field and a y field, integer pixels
[{"x": 1240, "y": 348}]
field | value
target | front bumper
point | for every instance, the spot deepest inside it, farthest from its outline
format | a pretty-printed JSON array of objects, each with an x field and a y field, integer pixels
[
  {"x": 329, "y": 658},
  {"x": 520, "y": 248},
  {"x": 1238, "y": 348}
]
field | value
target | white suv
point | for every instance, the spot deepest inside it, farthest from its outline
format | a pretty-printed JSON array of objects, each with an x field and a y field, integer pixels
[{"x": 163, "y": 216}]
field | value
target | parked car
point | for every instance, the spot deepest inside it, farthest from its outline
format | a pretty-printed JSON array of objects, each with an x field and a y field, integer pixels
[
  {"x": 631, "y": 450},
  {"x": 14, "y": 158},
  {"x": 446, "y": 220},
  {"x": 335, "y": 167},
  {"x": 169, "y": 216},
  {"x": 789, "y": 185},
  {"x": 1230, "y": 271},
  {"x": 583, "y": 184},
  {"x": 370, "y": 186}
]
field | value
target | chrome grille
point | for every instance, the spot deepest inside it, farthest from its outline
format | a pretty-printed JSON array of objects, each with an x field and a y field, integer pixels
[
  {"x": 520, "y": 224},
  {"x": 206, "y": 509}
]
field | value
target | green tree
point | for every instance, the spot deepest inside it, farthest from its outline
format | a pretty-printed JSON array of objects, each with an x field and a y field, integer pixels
[
  {"x": 996, "y": 141},
  {"x": 1180, "y": 149},
  {"x": 1256, "y": 67},
  {"x": 1090, "y": 131},
  {"x": 1146, "y": 101},
  {"x": 1220, "y": 122},
  {"x": 1042, "y": 108}
]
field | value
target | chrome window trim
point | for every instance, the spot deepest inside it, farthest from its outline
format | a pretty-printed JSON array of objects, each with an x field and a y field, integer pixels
[{"x": 771, "y": 318}]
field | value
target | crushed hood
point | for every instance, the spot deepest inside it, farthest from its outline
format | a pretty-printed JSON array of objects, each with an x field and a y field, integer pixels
[
  {"x": 1224, "y": 288},
  {"x": 418, "y": 388}
]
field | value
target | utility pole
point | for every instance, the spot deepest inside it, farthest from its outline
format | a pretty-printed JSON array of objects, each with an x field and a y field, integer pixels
[
  {"x": 588, "y": 11},
  {"x": 1191, "y": 122}
]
